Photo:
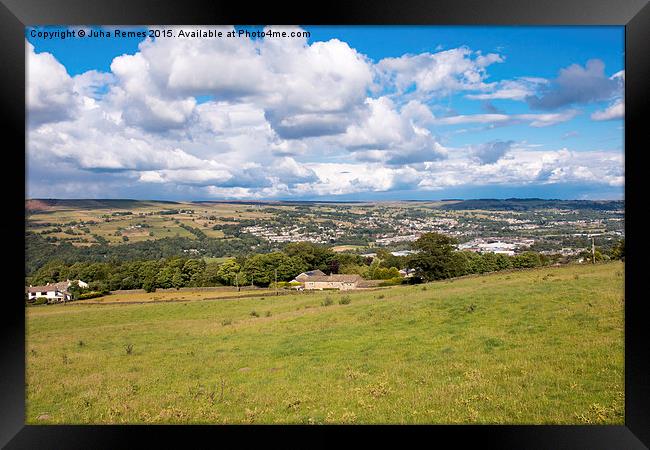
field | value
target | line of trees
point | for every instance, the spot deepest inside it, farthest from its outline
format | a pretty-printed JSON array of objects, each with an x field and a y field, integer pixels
[
  {"x": 259, "y": 269},
  {"x": 435, "y": 258}
]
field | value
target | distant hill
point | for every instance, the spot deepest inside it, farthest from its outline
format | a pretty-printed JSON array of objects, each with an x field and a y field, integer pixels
[
  {"x": 49, "y": 204},
  {"x": 527, "y": 204},
  {"x": 510, "y": 204}
]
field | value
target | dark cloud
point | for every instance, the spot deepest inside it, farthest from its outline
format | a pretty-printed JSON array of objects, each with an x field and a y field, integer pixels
[
  {"x": 306, "y": 125},
  {"x": 576, "y": 85},
  {"x": 37, "y": 117},
  {"x": 413, "y": 156},
  {"x": 491, "y": 152}
]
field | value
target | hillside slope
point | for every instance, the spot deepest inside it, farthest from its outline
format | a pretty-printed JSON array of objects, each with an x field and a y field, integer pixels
[{"x": 538, "y": 346}]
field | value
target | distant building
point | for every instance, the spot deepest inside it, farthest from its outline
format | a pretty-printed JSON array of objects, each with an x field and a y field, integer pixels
[
  {"x": 306, "y": 275},
  {"x": 54, "y": 292},
  {"x": 403, "y": 252},
  {"x": 498, "y": 247},
  {"x": 340, "y": 282}
]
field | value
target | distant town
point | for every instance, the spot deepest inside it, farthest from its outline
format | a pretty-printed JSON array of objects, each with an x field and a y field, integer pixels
[{"x": 226, "y": 229}]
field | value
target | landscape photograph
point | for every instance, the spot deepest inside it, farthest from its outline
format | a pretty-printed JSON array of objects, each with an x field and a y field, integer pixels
[{"x": 324, "y": 225}]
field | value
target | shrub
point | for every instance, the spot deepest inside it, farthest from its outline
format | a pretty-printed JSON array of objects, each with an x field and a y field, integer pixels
[
  {"x": 391, "y": 282},
  {"x": 380, "y": 296},
  {"x": 327, "y": 302},
  {"x": 345, "y": 300},
  {"x": 91, "y": 294},
  {"x": 40, "y": 301},
  {"x": 254, "y": 314},
  {"x": 268, "y": 314},
  {"x": 225, "y": 322},
  {"x": 128, "y": 348}
]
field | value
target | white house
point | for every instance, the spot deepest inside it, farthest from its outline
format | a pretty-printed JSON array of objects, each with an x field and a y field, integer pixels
[{"x": 54, "y": 292}]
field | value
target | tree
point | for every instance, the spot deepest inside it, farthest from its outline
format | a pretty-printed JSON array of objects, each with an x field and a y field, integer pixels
[
  {"x": 461, "y": 263},
  {"x": 434, "y": 258},
  {"x": 149, "y": 285},
  {"x": 618, "y": 251},
  {"x": 313, "y": 255},
  {"x": 210, "y": 275},
  {"x": 373, "y": 269},
  {"x": 192, "y": 271},
  {"x": 261, "y": 268},
  {"x": 164, "y": 277},
  {"x": 503, "y": 262},
  {"x": 527, "y": 260},
  {"x": 177, "y": 279},
  {"x": 51, "y": 272},
  {"x": 388, "y": 260},
  {"x": 228, "y": 272},
  {"x": 74, "y": 289},
  {"x": 333, "y": 266}
]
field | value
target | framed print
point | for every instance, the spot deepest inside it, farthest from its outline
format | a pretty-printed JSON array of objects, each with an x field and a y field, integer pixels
[{"x": 368, "y": 216}]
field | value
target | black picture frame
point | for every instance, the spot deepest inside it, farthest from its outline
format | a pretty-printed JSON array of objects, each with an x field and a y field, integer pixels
[{"x": 633, "y": 14}]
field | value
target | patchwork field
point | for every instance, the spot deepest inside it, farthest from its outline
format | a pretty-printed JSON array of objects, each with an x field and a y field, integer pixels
[
  {"x": 536, "y": 346},
  {"x": 79, "y": 221}
]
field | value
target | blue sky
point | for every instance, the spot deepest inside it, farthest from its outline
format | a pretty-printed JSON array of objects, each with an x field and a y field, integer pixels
[{"x": 373, "y": 112}]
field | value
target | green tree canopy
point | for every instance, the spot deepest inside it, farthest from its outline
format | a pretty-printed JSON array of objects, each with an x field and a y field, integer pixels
[
  {"x": 260, "y": 269},
  {"x": 434, "y": 259},
  {"x": 313, "y": 255}
]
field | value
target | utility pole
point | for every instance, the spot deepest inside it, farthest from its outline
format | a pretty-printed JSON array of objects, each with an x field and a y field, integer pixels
[
  {"x": 593, "y": 251},
  {"x": 276, "y": 281}
]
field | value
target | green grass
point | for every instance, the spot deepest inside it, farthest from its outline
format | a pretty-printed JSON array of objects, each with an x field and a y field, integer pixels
[{"x": 538, "y": 346}]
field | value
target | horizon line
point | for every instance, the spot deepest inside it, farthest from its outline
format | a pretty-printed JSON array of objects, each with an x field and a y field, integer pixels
[{"x": 324, "y": 201}]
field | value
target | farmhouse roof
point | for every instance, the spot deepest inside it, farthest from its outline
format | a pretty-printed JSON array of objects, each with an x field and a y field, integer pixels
[
  {"x": 339, "y": 277},
  {"x": 311, "y": 273},
  {"x": 62, "y": 287},
  {"x": 307, "y": 276},
  {"x": 315, "y": 273}
]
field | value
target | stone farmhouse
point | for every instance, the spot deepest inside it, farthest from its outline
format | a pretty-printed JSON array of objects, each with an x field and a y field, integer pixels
[{"x": 340, "y": 282}]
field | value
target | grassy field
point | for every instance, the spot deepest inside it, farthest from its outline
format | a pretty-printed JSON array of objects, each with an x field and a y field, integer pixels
[
  {"x": 185, "y": 294},
  {"x": 538, "y": 346}
]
